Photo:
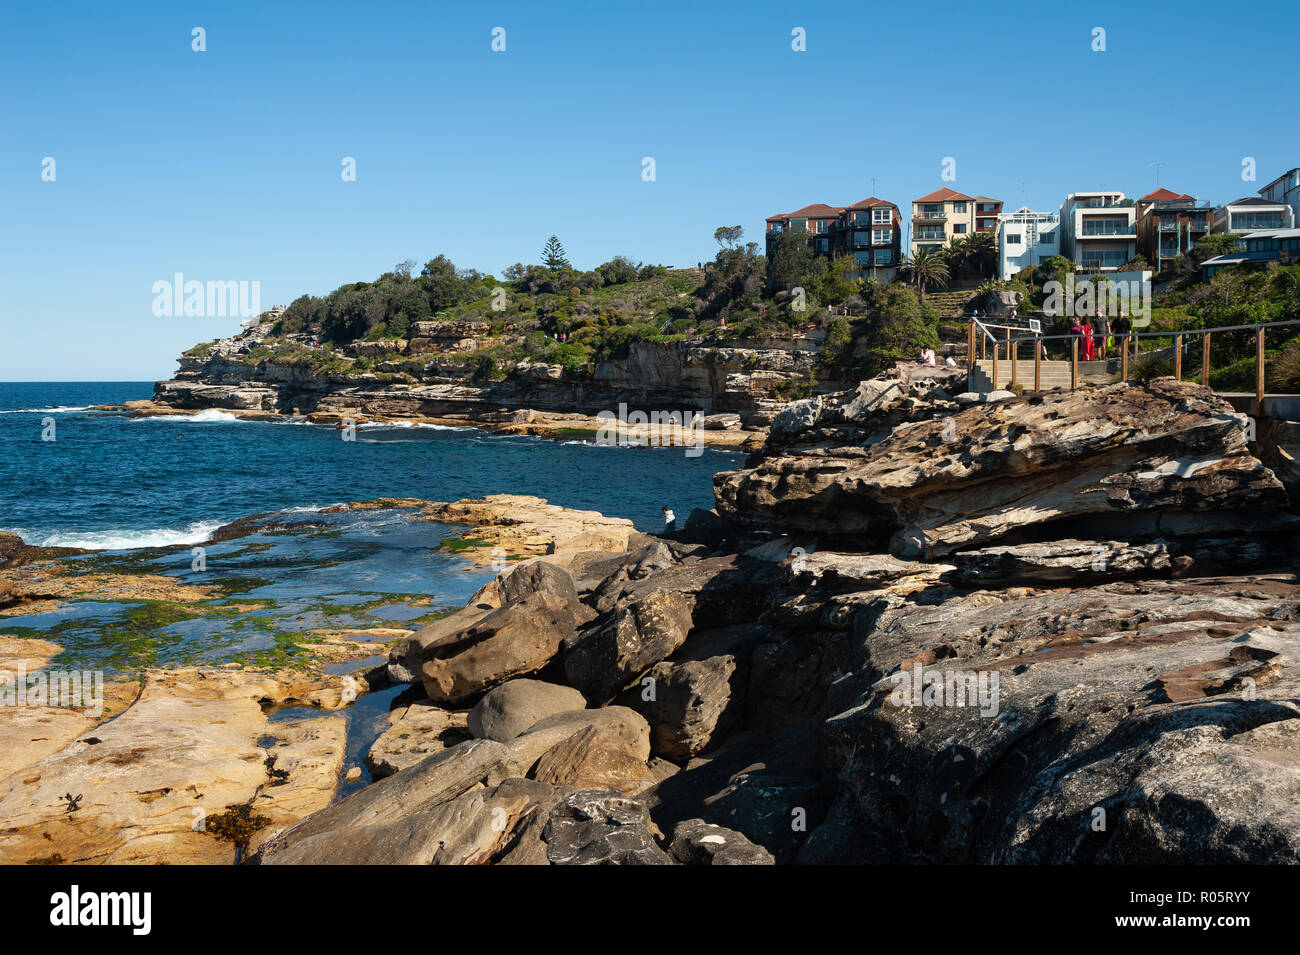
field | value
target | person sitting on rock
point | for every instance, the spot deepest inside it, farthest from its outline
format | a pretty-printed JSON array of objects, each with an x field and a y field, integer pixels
[{"x": 927, "y": 356}]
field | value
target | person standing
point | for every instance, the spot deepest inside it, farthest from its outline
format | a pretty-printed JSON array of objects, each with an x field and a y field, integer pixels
[
  {"x": 1088, "y": 347},
  {"x": 670, "y": 520},
  {"x": 1102, "y": 326}
]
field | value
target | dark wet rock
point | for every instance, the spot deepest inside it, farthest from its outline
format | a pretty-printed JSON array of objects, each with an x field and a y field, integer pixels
[
  {"x": 696, "y": 842},
  {"x": 595, "y": 827}
]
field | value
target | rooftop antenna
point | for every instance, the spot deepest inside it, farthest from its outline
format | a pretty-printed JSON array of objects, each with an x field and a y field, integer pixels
[
  {"x": 1158, "y": 165},
  {"x": 873, "y": 185}
]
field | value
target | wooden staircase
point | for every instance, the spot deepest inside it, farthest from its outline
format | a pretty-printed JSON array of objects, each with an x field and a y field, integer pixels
[{"x": 1053, "y": 374}]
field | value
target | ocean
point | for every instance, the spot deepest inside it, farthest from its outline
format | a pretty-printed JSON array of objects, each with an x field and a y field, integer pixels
[{"x": 114, "y": 482}]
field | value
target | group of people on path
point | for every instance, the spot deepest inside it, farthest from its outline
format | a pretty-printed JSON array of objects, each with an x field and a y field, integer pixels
[{"x": 1097, "y": 335}]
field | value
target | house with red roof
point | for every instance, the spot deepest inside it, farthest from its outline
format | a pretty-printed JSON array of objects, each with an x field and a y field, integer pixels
[
  {"x": 1169, "y": 224},
  {"x": 947, "y": 214},
  {"x": 870, "y": 231}
]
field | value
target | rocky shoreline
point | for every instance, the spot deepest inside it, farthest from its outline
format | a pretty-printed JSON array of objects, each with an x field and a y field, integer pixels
[{"x": 1059, "y": 628}]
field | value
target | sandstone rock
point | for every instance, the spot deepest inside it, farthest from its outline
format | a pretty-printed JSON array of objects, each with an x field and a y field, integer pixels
[
  {"x": 696, "y": 842},
  {"x": 516, "y": 706},
  {"x": 415, "y": 732},
  {"x": 1062, "y": 560},
  {"x": 595, "y": 827},
  {"x": 595, "y": 758},
  {"x": 699, "y": 694},
  {"x": 640, "y": 632},
  {"x": 1165, "y": 703},
  {"x": 193, "y": 740},
  {"x": 528, "y": 747},
  {"x": 996, "y": 469},
  {"x": 380, "y": 822},
  {"x": 518, "y": 638},
  {"x": 536, "y": 576}
]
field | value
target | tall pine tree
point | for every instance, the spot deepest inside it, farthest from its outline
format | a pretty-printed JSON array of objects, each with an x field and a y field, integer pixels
[{"x": 553, "y": 255}]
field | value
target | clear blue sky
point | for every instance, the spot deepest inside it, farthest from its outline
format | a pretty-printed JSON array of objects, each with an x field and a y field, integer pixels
[{"x": 225, "y": 165}]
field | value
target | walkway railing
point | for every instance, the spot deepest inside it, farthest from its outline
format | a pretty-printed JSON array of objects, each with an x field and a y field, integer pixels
[{"x": 983, "y": 333}]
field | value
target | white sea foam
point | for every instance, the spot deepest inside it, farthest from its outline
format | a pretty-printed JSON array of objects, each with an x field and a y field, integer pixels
[
  {"x": 57, "y": 409},
  {"x": 123, "y": 538},
  {"x": 208, "y": 414}
]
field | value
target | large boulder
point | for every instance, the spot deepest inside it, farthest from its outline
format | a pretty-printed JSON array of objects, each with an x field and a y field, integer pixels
[
  {"x": 637, "y": 634},
  {"x": 536, "y": 576},
  {"x": 595, "y": 758},
  {"x": 697, "y": 698},
  {"x": 516, "y": 639},
  {"x": 380, "y": 823},
  {"x": 696, "y": 842},
  {"x": 601, "y": 827},
  {"x": 514, "y": 707},
  {"x": 528, "y": 747}
]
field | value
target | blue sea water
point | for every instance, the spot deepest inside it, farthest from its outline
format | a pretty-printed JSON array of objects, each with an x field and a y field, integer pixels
[{"x": 116, "y": 482}]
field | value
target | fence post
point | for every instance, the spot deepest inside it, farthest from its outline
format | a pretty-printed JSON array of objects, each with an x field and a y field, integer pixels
[
  {"x": 995, "y": 366},
  {"x": 1205, "y": 359},
  {"x": 1259, "y": 370},
  {"x": 1074, "y": 363},
  {"x": 970, "y": 352},
  {"x": 1038, "y": 364},
  {"x": 1178, "y": 357},
  {"x": 1015, "y": 348},
  {"x": 1123, "y": 360}
]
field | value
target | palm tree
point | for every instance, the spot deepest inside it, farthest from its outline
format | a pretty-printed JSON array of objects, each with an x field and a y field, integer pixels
[
  {"x": 926, "y": 268},
  {"x": 955, "y": 254},
  {"x": 981, "y": 251}
]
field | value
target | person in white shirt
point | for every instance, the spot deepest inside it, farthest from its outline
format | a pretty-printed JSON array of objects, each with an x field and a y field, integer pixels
[
  {"x": 670, "y": 520},
  {"x": 927, "y": 357}
]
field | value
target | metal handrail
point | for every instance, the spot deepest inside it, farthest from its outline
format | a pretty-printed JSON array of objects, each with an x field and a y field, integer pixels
[{"x": 1178, "y": 348}]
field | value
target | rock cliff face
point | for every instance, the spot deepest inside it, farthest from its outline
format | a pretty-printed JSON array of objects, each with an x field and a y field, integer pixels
[
  {"x": 1055, "y": 629},
  {"x": 435, "y": 379}
]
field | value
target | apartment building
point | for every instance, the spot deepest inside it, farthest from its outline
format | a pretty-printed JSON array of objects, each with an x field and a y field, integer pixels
[
  {"x": 1252, "y": 214},
  {"x": 946, "y": 214},
  {"x": 1169, "y": 224},
  {"x": 1098, "y": 230},
  {"x": 1286, "y": 189},
  {"x": 870, "y": 231},
  {"x": 1025, "y": 240}
]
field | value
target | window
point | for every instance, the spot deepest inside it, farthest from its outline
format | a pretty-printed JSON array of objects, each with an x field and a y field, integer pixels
[
  {"x": 862, "y": 218},
  {"x": 798, "y": 223},
  {"x": 884, "y": 256},
  {"x": 881, "y": 236},
  {"x": 1013, "y": 238},
  {"x": 1047, "y": 238},
  {"x": 819, "y": 226},
  {"x": 862, "y": 258},
  {"x": 861, "y": 240},
  {"x": 822, "y": 245},
  {"x": 959, "y": 207},
  {"x": 959, "y": 228},
  {"x": 776, "y": 227},
  {"x": 882, "y": 215}
]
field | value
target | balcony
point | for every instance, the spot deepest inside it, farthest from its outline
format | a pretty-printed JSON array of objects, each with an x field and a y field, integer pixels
[
  {"x": 932, "y": 216},
  {"x": 1099, "y": 230}
]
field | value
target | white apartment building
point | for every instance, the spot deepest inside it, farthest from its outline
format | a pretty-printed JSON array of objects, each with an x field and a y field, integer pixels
[
  {"x": 1026, "y": 239},
  {"x": 1285, "y": 189},
  {"x": 1098, "y": 230},
  {"x": 1253, "y": 214}
]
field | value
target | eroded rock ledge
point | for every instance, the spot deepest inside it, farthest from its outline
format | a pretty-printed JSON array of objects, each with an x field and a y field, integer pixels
[{"x": 1111, "y": 575}]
